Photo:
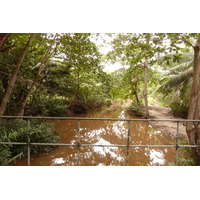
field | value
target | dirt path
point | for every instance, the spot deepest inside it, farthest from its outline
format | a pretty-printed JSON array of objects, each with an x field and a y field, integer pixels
[{"x": 161, "y": 112}]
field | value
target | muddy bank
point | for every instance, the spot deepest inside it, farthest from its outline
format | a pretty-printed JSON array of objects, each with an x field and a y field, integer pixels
[{"x": 161, "y": 112}]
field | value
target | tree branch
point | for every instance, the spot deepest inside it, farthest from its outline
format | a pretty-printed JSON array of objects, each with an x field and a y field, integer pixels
[{"x": 186, "y": 41}]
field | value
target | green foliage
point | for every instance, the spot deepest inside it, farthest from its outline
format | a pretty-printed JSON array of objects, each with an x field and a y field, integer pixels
[
  {"x": 136, "y": 110},
  {"x": 17, "y": 131},
  {"x": 176, "y": 84},
  {"x": 185, "y": 161},
  {"x": 72, "y": 72},
  {"x": 5, "y": 153},
  {"x": 142, "y": 164},
  {"x": 46, "y": 106},
  {"x": 179, "y": 109},
  {"x": 151, "y": 100}
]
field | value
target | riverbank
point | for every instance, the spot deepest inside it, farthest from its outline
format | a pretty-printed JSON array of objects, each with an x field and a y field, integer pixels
[{"x": 160, "y": 112}]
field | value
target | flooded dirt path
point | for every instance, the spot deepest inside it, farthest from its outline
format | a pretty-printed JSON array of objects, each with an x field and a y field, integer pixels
[
  {"x": 107, "y": 133},
  {"x": 160, "y": 112}
]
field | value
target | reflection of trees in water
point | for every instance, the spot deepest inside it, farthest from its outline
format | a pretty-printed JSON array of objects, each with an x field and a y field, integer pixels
[
  {"x": 103, "y": 156},
  {"x": 151, "y": 156},
  {"x": 116, "y": 133},
  {"x": 143, "y": 133},
  {"x": 102, "y": 132}
]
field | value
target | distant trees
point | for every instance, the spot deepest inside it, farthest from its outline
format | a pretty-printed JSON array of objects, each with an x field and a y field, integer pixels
[{"x": 139, "y": 52}]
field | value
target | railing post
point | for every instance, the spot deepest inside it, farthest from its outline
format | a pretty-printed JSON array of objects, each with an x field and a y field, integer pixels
[
  {"x": 28, "y": 143},
  {"x": 177, "y": 143},
  {"x": 128, "y": 143},
  {"x": 78, "y": 159}
]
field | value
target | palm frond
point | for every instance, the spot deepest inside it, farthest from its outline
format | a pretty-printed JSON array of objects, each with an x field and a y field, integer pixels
[
  {"x": 181, "y": 67},
  {"x": 179, "y": 78},
  {"x": 175, "y": 81}
]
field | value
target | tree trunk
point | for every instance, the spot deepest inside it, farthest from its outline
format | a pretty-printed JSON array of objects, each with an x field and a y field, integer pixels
[
  {"x": 14, "y": 76},
  {"x": 134, "y": 91},
  {"x": 137, "y": 99},
  {"x": 193, "y": 129},
  {"x": 31, "y": 89},
  {"x": 40, "y": 69},
  {"x": 21, "y": 112},
  {"x": 3, "y": 38},
  {"x": 145, "y": 90}
]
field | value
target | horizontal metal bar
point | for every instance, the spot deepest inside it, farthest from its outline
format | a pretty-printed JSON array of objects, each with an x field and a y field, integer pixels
[
  {"x": 53, "y": 144},
  {"x": 151, "y": 146},
  {"x": 42, "y": 144},
  {"x": 100, "y": 145},
  {"x": 186, "y": 146},
  {"x": 17, "y": 143},
  {"x": 103, "y": 119}
]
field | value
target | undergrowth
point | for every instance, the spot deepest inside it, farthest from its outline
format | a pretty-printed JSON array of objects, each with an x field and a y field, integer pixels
[{"x": 17, "y": 131}]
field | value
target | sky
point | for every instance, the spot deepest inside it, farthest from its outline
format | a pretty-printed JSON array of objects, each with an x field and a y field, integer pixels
[{"x": 104, "y": 49}]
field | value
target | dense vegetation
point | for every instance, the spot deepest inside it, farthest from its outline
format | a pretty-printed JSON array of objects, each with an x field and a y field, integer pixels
[
  {"x": 57, "y": 70},
  {"x": 12, "y": 131},
  {"x": 62, "y": 74}
]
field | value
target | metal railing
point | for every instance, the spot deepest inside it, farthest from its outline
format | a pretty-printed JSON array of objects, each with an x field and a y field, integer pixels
[{"x": 79, "y": 145}]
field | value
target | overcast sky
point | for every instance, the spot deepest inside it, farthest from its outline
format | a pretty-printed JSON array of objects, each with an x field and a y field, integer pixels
[{"x": 104, "y": 49}]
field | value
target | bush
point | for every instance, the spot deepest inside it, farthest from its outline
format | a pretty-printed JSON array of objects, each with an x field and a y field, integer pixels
[
  {"x": 179, "y": 109},
  {"x": 136, "y": 110},
  {"x": 17, "y": 131},
  {"x": 186, "y": 159},
  {"x": 83, "y": 105},
  {"x": 47, "y": 107}
]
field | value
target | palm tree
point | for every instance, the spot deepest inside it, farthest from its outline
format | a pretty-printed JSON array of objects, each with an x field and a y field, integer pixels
[
  {"x": 176, "y": 84},
  {"x": 178, "y": 77}
]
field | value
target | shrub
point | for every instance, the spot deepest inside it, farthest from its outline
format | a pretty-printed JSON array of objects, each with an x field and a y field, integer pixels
[
  {"x": 186, "y": 159},
  {"x": 136, "y": 109},
  {"x": 17, "y": 131},
  {"x": 179, "y": 109},
  {"x": 48, "y": 107}
]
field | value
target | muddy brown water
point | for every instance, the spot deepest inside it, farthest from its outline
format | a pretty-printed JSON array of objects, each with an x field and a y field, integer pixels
[{"x": 107, "y": 133}]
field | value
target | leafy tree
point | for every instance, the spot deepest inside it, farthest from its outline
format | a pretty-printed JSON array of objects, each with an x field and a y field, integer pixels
[
  {"x": 48, "y": 54},
  {"x": 139, "y": 52},
  {"x": 66, "y": 67},
  {"x": 191, "y": 40},
  {"x": 14, "y": 76}
]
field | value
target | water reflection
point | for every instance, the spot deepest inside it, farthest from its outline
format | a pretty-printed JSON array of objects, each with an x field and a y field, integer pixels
[
  {"x": 112, "y": 151},
  {"x": 107, "y": 133},
  {"x": 157, "y": 157},
  {"x": 58, "y": 161}
]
